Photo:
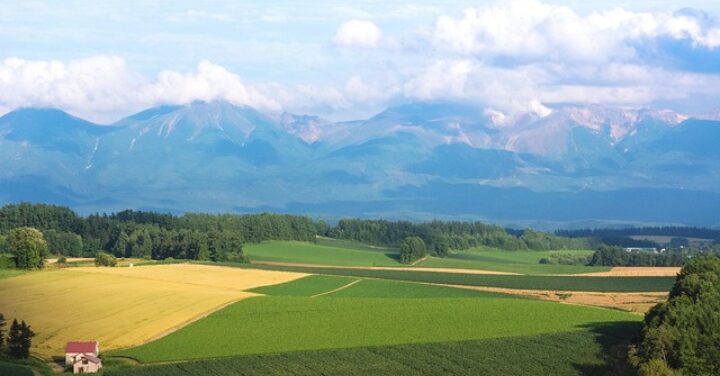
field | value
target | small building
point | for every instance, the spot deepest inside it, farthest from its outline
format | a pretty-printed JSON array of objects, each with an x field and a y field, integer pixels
[{"x": 84, "y": 356}]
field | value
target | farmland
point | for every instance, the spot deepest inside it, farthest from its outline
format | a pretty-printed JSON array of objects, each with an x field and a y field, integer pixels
[
  {"x": 343, "y": 287},
  {"x": 326, "y": 252},
  {"x": 370, "y": 317},
  {"x": 127, "y": 306},
  {"x": 359, "y": 312},
  {"x": 522, "y": 262},
  {"x": 583, "y": 351},
  {"x": 345, "y": 253},
  {"x": 537, "y": 282}
]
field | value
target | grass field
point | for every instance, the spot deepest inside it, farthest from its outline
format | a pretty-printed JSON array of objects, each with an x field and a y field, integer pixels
[
  {"x": 364, "y": 314},
  {"x": 523, "y": 262},
  {"x": 326, "y": 252},
  {"x": 306, "y": 286},
  {"x": 6, "y": 273},
  {"x": 10, "y": 369},
  {"x": 122, "y": 307},
  {"x": 347, "y": 253},
  {"x": 533, "y": 282},
  {"x": 314, "y": 285},
  {"x": 581, "y": 352}
]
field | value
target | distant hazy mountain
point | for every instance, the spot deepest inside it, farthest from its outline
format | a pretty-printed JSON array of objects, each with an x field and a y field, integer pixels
[{"x": 563, "y": 165}]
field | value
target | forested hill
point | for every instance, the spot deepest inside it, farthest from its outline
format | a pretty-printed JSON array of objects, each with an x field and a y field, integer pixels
[
  {"x": 674, "y": 231},
  {"x": 219, "y": 237}
]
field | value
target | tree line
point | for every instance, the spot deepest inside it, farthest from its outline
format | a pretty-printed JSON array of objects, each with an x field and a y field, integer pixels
[
  {"x": 616, "y": 256},
  {"x": 143, "y": 234},
  {"x": 672, "y": 231},
  {"x": 439, "y": 236}
]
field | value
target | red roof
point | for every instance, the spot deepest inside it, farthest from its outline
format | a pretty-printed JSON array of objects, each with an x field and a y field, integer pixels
[{"x": 81, "y": 347}]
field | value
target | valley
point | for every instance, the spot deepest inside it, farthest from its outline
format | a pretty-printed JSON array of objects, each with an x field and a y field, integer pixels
[{"x": 244, "y": 313}]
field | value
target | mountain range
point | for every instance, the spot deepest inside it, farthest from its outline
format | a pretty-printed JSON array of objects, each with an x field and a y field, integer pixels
[{"x": 564, "y": 166}]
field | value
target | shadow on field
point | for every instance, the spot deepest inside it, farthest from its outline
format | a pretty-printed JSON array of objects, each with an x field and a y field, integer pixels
[
  {"x": 393, "y": 256},
  {"x": 614, "y": 339}
]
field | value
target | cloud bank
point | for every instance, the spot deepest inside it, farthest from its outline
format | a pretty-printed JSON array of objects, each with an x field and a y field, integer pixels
[{"x": 509, "y": 56}]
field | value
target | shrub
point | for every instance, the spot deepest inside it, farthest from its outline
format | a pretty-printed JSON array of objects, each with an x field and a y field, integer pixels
[{"x": 104, "y": 259}]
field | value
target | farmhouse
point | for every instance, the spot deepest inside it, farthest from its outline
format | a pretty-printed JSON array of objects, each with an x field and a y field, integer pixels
[{"x": 83, "y": 356}]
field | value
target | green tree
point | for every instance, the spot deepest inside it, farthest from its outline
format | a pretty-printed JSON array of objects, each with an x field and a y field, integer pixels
[
  {"x": 20, "y": 339},
  {"x": 120, "y": 249},
  {"x": 63, "y": 243},
  {"x": 104, "y": 259},
  {"x": 28, "y": 246},
  {"x": 411, "y": 249},
  {"x": 2, "y": 330},
  {"x": 682, "y": 335},
  {"x": 14, "y": 341}
]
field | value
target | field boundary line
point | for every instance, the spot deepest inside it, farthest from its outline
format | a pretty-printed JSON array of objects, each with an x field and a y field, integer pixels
[{"x": 337, "y": 289}]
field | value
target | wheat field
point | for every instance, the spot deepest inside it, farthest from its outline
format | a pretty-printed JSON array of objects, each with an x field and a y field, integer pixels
[{"x": 123, "y": 307}]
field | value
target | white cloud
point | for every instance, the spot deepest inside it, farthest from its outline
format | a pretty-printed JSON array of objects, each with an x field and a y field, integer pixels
[
  {"x": 210, "y": 82},
  {"x": 97, "y": 84},
  {"x": 102, "y": 88},
  {"x": 531, "y": 30},
  {"x": 357, "y": 33},
  {"x": 441, "y": 79}
]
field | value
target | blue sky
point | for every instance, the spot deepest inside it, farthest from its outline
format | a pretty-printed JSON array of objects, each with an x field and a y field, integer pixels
[{"x": 107, "y": 59}]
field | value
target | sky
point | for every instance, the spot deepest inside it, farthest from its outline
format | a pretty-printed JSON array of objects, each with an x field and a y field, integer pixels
[{"x": 103, "y": 60}]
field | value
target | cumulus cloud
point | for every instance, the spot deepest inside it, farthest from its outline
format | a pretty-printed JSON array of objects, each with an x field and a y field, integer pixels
[
  {"x": 531, "y": 30},
  {"x": 98, "y": 84},
  {"x": 209, "y": 82},
  {"x": 513, "y": 56},
  {"x": 357, "y": 33},
  {"x": 103, "y": 88}
]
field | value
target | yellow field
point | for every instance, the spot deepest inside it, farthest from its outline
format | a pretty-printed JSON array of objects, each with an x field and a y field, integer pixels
[{"x": 122, "y": 307}]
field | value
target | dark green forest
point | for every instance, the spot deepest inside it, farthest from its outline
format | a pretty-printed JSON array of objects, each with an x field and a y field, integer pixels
[{"x": 220, "y": 237}]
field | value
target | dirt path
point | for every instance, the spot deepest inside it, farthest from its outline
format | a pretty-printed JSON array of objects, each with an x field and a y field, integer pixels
[
  {"x": 407, "y": 268},
  {"x": 337, "y": 289},
  {"x": 637, "y": 271}
]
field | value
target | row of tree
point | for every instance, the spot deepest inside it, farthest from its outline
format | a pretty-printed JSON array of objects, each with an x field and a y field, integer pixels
[
  {"x": 439, "y": 236},
  {"x": 616, "y": 256},
  {"x": 145, "y": 234},
  {"x": 19, "y": 338}
]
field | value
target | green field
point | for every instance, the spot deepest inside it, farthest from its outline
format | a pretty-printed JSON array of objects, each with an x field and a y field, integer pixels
[
  {"x": 9, "y": 369},
  {"x": 6, "y": 273},
  {"x": 366, "y": 288},
  {"x": 326, "y": 252},
  {"x": 523, "y": 262},
  {"x": 581, "y": 352},
  {"x": 364, "y": 317},
  {"x": 306, "y": 286},
  {"x": 535, "y": 282},
  {"x": 347, "y": 253}
]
